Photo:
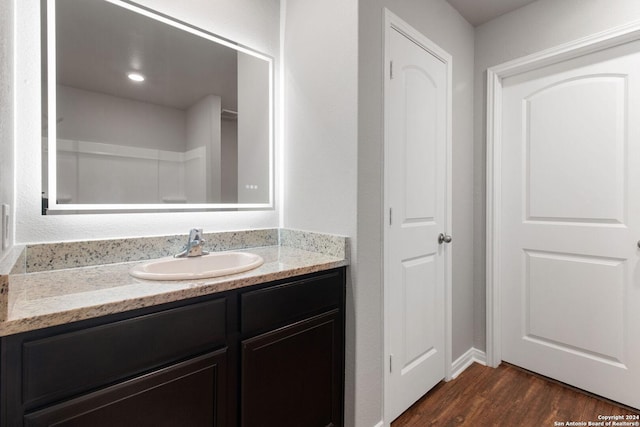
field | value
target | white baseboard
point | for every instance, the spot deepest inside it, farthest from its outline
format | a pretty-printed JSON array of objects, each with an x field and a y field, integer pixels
[
  {"x": 380, "y": 424},
  {"x": 467, "y": 359}
]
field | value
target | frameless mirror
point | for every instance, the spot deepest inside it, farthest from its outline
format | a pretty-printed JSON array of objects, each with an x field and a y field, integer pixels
[{"x": 144, "y": 112}]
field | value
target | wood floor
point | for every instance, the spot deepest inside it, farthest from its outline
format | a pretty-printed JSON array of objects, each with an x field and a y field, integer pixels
[{"x": 506, "y": 396}]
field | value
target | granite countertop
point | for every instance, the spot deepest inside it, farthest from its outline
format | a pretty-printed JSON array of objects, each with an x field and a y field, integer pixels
[{"x": 47, "y": 298}]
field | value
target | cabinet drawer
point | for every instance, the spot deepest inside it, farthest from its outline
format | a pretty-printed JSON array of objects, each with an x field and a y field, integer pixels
[
  {"x": 275, "y": 306},
  {"x": 69, "y": 363}
]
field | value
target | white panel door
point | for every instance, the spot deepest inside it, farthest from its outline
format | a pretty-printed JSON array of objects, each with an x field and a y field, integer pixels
[
  {"x": 571, "y": 222},
  {"x": 415, "y": 165}
]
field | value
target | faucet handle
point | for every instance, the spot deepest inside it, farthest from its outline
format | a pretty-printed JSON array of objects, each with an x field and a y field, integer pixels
[
  {"x": 196, "y": 242},
  {"x": 194, "y": 245},
  {"x": 195, "y": 235}
]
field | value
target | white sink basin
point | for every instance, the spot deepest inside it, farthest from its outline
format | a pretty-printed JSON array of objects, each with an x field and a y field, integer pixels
[{"x": 202, "y": 267}]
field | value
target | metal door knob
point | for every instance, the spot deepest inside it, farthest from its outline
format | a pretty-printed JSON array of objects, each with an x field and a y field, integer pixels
[{"x": 444, "y": 238}]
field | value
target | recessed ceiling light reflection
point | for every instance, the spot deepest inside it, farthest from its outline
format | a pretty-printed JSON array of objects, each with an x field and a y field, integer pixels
[{"x": 136, "y": 77}]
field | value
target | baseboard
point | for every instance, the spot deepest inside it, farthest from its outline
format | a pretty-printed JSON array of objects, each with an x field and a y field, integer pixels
[
  {"x": 380, "y": 424},
  {"x": 467, "y": 359}
]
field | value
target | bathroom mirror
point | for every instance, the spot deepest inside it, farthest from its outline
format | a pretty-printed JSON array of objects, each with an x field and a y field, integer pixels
[{"x": 144, "y": 112}]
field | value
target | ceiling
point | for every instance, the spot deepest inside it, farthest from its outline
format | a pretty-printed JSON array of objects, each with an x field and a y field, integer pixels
[{"x": 477, "y": 12}]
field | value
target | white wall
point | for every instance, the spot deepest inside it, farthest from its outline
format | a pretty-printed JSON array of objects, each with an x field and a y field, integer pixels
[
  {"x": 442, "y": 24},
  {"x": 252, "y": 23},
  {"x": 6, "y": 109},
  {"x": 320, "y": 84},
  {"x": 540, "y": 25},
  {"x": 89, "y": 116},
  {"x": 229, "y": 138},
  {"x": 204, "y": 130},
  {"x": 320, "y": 171}
]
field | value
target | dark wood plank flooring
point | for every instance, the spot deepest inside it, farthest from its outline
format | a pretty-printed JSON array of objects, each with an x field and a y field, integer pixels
[{"x": 506, "y": 396}]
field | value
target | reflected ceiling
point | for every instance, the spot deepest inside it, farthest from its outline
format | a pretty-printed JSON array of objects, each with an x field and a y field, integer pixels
[{"x": 113, "y": 43}]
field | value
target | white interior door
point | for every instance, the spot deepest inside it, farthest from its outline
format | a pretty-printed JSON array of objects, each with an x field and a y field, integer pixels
[
  {"x": 570, "y": 283},
  {"x": 416, "y": 195}
]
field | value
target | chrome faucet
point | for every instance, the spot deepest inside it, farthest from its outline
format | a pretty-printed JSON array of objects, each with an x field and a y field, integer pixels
[{"x": 194, "y": 245}]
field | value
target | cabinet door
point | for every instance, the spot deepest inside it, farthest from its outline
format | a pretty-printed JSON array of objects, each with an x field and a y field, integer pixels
[
  {"x": 293, "y": 376},
  {"x": 191, "y": 393}
]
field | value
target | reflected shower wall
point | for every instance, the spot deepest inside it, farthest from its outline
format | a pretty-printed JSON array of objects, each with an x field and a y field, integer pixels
[{"x": 155, "y": 154}]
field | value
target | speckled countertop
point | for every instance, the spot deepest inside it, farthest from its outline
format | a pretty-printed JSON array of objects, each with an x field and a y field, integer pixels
[{"x": 47, "y": 298}]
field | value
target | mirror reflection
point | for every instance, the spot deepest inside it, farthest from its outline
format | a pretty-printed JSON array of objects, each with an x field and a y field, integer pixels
[{"x": 151, "y": 113}]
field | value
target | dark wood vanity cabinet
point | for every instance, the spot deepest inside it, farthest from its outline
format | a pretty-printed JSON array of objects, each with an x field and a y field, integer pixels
[
  {"x": 264, "y": 355},
  {"x": 292, "y": 354}
]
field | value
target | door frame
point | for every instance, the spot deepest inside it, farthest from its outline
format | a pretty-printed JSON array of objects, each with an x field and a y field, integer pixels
[
  {"x": 393, "y": 22},
  {"x": 495, "y": 76}
]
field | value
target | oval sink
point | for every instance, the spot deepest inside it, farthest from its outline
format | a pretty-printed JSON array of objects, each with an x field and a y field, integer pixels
[{"x": 206, "y": 266}]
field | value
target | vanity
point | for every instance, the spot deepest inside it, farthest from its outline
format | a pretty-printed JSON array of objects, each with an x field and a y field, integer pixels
[
  {"x": 259, "y": 348},
  {"x": 163, "y": 117}
]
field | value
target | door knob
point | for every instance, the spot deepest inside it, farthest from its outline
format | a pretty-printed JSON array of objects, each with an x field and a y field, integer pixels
[{"x": 444, "y": 238}]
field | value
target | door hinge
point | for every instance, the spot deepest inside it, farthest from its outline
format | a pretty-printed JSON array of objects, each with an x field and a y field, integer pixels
[
  {"x": 390, "y": 213},
  {"x": 390, "y": 363},
  {"x": 391, "y": 69}
]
